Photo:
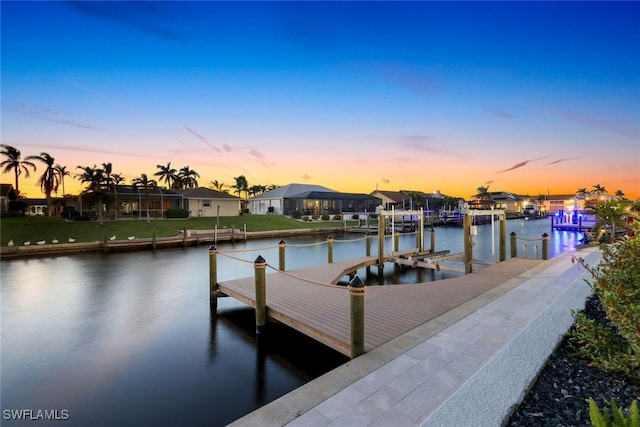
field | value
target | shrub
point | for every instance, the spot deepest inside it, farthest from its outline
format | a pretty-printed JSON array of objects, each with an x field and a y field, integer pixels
[
  {"x": 326, "y": 217},
  {"x": 373, "y": 216},
  {"x": 81, "y": 218},
  {"x": 355, "y": 216},
  {"x": 176, "y": 213},
  {"x": 17, "y": 207},
  {"x": 296, "y": 214},
  {"x": 305, "y": 218},
  {"x": 315, "y": 217},
  {"x": 616, "y": 418},
  {"x": 614, "y": 346},
  {"x": 337, "y": 217}
]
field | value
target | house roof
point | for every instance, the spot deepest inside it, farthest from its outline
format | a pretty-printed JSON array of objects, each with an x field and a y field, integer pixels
[
  {"x": 5, "y": 189},
  {"x": 206, "y": 193},
  {"x": 291, "y": 190},
  {"x": 396, "y": 196},
  {"x": 132, "y": 189},
  {"x": 331, "y": 195},
  {"x": 503, "y": 195}
]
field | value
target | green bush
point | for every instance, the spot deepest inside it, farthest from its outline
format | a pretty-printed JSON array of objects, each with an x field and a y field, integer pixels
[
  {"x": 337, "y": 217},
  {"x": 615, "y": 418},
  {"x": 296, "y": 214},
  {"x": 355, "y": 216},
  {"x": 315, "y": 217},
  {"x": 326, "y": 217},
  {"x": 177, "y": 213},
  {"x": 616, "y": 345}
]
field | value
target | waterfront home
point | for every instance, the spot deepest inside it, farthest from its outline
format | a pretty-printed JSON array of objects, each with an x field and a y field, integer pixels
[
  {"x": 310, "y": 200},
  {"x": 205, "y": 202}
]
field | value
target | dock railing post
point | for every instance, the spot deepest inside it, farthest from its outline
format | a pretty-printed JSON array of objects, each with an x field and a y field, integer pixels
[
  {"x": 396, "y": 240},
  {"x": 503, "y": 238},
  {"x": 433, "y": 240},
  {"x": 545, "y": 246},
  {"x": 281, "y": 255},
  {"x": 184, "y": 237},
  {"x": 514, "y": 245},
  {"x": 260, "y": 266},
  {"x": 153, "y": 238},
  {"x": 381, "y": 230},
  {"x": 468, "y": 248},
  {"x": 357, "y": 290},
  {"x": 213, "y": 273},
  {"x": 368, "y": 251},
  {"x": 330, "y": 249}
]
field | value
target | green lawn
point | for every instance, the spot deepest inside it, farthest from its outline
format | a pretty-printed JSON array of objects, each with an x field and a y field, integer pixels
[{"x": 34, "y": 228}]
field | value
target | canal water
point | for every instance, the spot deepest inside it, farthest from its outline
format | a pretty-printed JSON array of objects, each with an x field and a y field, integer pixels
[{"x": 129, "y": 339}]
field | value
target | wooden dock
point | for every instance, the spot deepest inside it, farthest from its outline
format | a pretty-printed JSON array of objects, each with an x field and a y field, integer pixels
[{"x": 308, "y": 300}]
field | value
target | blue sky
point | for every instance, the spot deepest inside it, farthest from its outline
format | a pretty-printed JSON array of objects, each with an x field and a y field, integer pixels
[{"x": 527, "y": 97}]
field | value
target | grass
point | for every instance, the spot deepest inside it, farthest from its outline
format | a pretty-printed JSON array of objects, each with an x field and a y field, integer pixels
[{"x": 34, "y": 228}]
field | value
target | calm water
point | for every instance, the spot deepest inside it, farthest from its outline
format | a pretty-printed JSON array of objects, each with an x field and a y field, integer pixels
[{"x": 129, "y": 339}]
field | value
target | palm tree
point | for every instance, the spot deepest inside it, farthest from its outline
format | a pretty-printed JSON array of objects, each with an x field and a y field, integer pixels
[
  {"x": 188, "y": 177},
  {"x": 483, "y": 197},
  {"x": 62, "y": 172},
  {"x": 581, "y": 193},
  {"x": 14, "y": 162},
  {"x": 146, "y": 184},
  {"x": 49, "y": 180},
  {"x": 598, "y": 189},
  {"x": 117, "y": 178},
  {"x": 166, "y": 173},
  {"x": 217, "y": 185},
  {"x": 620, "y": 194},
  {"x": 96, "y": 182},
  {"x": 240, "y": 185}
]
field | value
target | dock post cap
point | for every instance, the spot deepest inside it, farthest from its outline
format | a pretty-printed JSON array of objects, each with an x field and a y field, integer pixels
[
  {"x": 545, "y": 235},
  {"x": 213, "y": 248},
  {"x": 513, "y": 233},
  {"x": 329, "y": 237},
  {"x": 356, "y": 282},
  {"x": 260, "y": 260},
  {"x": 282, "y": 242}
]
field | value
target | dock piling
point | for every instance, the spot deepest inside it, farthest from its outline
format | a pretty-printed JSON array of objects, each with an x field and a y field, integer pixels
[
  {"x": 213, "y": 274},
  {"x": 514, "y": 245},
  {"x": 468, "y": 248},
  {"x": 357, "y": 290},
  {"x": 433, "y": 240},
  {"x": 368, "y": 250},
  {"x": 281, "y": 254},
  {"x": 545, "y": 246},
  {"x": 381, "y": 233},
  {"x": 153, "y": 238},
  {"x": 260, "y": 266},
  {"x": 330, "y": 249},
  {"x": 503, "y": 238}
]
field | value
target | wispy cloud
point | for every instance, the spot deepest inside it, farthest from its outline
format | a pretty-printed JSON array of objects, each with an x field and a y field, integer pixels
[
  {"x": 201, "y": 138},
  {"x": 95, "y": 92},
  {"x": 413, "y": 80},
  {"x": 46, "y": 114},
  {"x": 306, "y": 177},
  {"x": 386, "y": 180},
  {"x": 555, "y": 162},
  {"x": 500, "y": 113},
  {"x": 141, "y": 15},
  {"x": 417, "y": 142},
  {"x": 601, "y": 124},
  {"x": 521, "y": 164},
  {"x": 489, "y": 182}
]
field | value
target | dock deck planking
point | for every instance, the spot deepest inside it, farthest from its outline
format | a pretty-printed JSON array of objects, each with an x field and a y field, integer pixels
[{"x": 323, "y": 311}]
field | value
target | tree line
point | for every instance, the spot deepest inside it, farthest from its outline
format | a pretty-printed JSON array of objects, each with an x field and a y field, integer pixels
[{"x": 98, "y": 180}]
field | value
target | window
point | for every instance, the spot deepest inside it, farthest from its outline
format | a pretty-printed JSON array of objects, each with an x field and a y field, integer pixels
[{"x": 206, "y": 203}]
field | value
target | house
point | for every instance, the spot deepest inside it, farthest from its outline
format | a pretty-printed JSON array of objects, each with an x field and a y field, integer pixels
[
  {"x": 310, "y": 200},
  {"x": 508, "y": 201},
  {"x": 411, "y": 199},
  {"x": 130, "y": 201},
  {"x": 7, "y": 193},
  {"x": 205, "y": 202}
]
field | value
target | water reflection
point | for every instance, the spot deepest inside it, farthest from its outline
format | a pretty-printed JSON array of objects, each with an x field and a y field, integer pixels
[{"x": 131, "y": 338}]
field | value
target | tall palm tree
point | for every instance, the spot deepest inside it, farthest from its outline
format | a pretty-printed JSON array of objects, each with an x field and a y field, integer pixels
[
  {"x": 166, "y": 173},
  {"x": 240, "y": 185},
  {"x": 95, "y": 179},
  {"x": 15, "y": 163},
  {"x": 581, "y": 193},
  {"x": 620, "y": 194},
  {"x": 483, "y": 197},
  {"x": 62, "y": 172},
  {"x": 146, "y": 185},
  {"x": 49, "y": 180},
  {"x": 188, "y": 177},
  {"x": 117, "y": 178}
]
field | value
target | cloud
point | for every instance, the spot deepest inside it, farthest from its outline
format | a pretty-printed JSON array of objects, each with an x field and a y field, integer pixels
[
  {"x": 412, "y": 80},
  {"x": 227, "y": 148},
  {"x": 418, "y": 142},
  {"x": 598, "y": 123},
  {"x": 256, "y": 154},
  {"x": 500, "y": 113},
  {"x": 306, "y": 177},
  {"x": 95, "y": 92},
  {"x": 47, "y": 114},
  {"x": 489, "y": 182},
  {"x": 141, "y": 15},
  {"x": 386, "y": 180},
  {"x": 521, "y": 164},
  {"x": 201, "y": 138},
  {"x": 562, "y": 160}
]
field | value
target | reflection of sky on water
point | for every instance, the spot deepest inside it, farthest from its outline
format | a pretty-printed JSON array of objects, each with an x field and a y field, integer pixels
[{"x": 130, "y": 336}]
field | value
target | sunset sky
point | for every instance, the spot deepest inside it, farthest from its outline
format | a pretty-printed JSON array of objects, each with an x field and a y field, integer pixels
[{"x": 527, "y": 97}]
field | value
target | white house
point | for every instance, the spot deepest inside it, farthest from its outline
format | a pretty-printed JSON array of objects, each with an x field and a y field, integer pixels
[{"x": 205, "y": 202}]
